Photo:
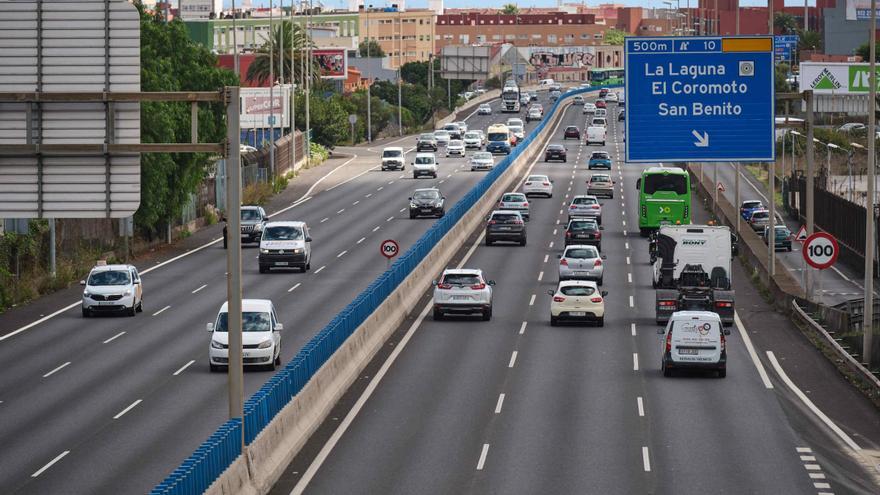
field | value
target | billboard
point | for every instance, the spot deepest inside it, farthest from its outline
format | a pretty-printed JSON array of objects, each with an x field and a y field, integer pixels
[
  {"x": 835, "y": 78},
  {"x": 258, "y": 108},
  {"x": 332, "y": 62},
  {"x": 859, "y": 10},
  {"x": 544, "y": 58},
  {"x": 465, "y": 62}
]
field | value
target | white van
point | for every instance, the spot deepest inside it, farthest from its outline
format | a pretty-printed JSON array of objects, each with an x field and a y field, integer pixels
[
  {"x": 546, "y": 82},
  {"x": 285, "y": 245},
  {"x": 425, "y": 164},
  {"x": 596, "y": 135},
  {"x": 260, "y": 337},
  {"x": 600, "y": 112},
  {"x": 694, "y": 340}
]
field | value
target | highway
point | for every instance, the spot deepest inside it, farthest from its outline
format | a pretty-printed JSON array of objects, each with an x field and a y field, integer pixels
[
  {"x": 113, "y": 404},
  {"x": 514, "y": 405}
]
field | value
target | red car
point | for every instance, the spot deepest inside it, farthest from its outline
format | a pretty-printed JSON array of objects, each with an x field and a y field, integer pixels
[
  {"x": 603, "y": 92},
  {"x": 601, "y": 104},
  {"x": 572, "y": 132}
]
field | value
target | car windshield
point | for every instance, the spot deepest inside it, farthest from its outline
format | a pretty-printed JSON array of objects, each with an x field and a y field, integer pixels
[
  {"x": 282, "y": 233},
  {"x": 426, "y": 136},
  {"x": 571, "y": 128},
  {"x": 580, "y": 226},
  {"x": 432, "y": 194},
  {"x": 250, "y": 322},
  {"x": 513, "y": 198},
  {"x": 461, "y": 279},
  {"x": 599, "y": 155},
  {"x": 472, "y": 135},
  {"x": 664, "y": 182},
  {"x": 441, "y": 134},
  {"x": 505, "y": 217},
  {"x": 782, "y": 233},
  {"x": 577, "y": 290},
  {"x": 538, "y": 178},
  {"x": 250, "y": 215},
  {"x": 760, "y": 215},
  {"x": 424, "y": 160},
  {"x": 498, "y": 136},
  {"x": 451, "y": 128},
  {"x": 585, "y": 201},
  {"x": 555, "y": 147},
  {"x": 110, "y": 277},
  {"x": 581, "y": 253},
  {"x": 392, "y": 154},
  {"x": 482, "y": 155}
]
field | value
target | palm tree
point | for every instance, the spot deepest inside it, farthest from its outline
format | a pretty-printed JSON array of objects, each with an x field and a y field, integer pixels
[
  {"x": 510, "y": 9},
  {"x": 785, "y": 23},
  {"x": 286, "y": 35}
]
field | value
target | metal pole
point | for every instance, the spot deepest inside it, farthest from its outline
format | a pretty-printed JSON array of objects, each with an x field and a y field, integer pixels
[
  {"x": 716, "y": 21},
  {"x": 236, "y": 65},
  {"x": 292, "y": 91},
  {"x": 233, "y": 258},
  {"x": 715, "y": 185},
  {"x": 399, "y": 72},
  {"x": 738, "y": 201},
  {"x": 308, "y": 141},
  {"x": 810, "y": 148},
  {"x": 806, "y": 17},
  {"x": 449, "y": 93},
  {"x": 271, "y": 88},
  {"x": 737, "y": 16},
  {"x": 52, "y": 266},
  {"x": 771, "y": 233},
  {"x": 868, "y": 322},
  {"x": 369, "y": 82},
  {"x": 770, "y": 17}
]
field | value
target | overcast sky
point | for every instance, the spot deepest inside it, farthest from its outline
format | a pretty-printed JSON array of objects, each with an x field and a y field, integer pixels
[{"x": 330, "y": 4}]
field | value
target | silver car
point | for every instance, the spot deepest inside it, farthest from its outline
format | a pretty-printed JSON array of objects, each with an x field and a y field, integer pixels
[
  {"x": 581, "y": 262},
  {"x": 455, "y": 147},
  {"x": 472, "y": 139},
  {"x": 442, "y": 137},
  {"x": 482, "y": 160},
  {"x": 585, "y": 205},
  {"x": 517, "y": 202}
]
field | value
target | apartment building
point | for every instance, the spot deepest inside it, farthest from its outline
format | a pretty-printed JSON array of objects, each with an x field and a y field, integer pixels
[
  {"x": 404, "y": 35},
  {"x": 540, "y": 29}
]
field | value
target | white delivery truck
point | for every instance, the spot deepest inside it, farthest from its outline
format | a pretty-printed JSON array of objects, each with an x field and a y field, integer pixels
[{"x": 596, "y": 135}]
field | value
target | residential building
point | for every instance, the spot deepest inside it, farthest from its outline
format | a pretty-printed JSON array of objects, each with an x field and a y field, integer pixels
[
  {"x": 544, "y": 29},
  {"x": 404, "y": 35},
  {"x": 843, "y": 31}
]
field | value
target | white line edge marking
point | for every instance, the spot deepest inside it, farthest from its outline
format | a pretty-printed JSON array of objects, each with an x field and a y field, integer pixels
[
  {"x": 483, "y": 454},
  {"x": 294, "y": 287},
  {"x": 56, "y": 370},
  {"x": 499, "y": 404},
  {"x": 641, "y": 405},
  {"x": 319, "y": 269},
  {"x": 376, "y": 228},
  {"x": 162, "y": 310},
  {"x": 629, "y": 277},
  {"x": 546, "y": 257},
  {"x": 360, "y": 240},
  {"x": 806, "y": 400},
  {"x": 182, "y": 368},
  {"x": 340, "y": 255},
  {"x": 340, "y": 211},
  {"x": 50, "y": 463},
  {"x": 512, "y": 362},
  {"x": 129, "y": 408},
  {"x": 324, "y": 220},
  {"x": 111, "y": 339},
  {"x": 522, "y": 328},
  {"x": 646, "y": 459},
  {"x": 540, "y": 276},
  {"x": 751, "y": 350},
  {"x": 635, "y": 361},
  {"x": 200, "y": 288},
  {"x": 389, "y": 219},
  {"x": 803, "y": 449}
]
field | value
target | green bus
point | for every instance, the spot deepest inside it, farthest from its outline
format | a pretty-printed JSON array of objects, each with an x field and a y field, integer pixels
[
  {"x": 609, "y": 76},
  {"x": 664, "y": 198}
]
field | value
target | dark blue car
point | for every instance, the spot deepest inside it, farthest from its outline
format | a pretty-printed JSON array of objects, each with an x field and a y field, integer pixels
[{"x": 748, "y": 207}]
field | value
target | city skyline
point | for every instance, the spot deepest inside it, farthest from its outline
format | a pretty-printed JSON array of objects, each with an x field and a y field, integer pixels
[{"x": 341, "y": 4}]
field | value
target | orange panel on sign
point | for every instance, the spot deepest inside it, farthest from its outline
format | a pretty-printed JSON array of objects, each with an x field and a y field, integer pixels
[{"x": 746, "y": 44}]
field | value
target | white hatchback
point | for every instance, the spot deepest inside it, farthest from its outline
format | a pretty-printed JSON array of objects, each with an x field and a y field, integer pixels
[
  {"x": 589, "y": 108},
  {"x": 112, "y": 288},
  {"x": 261, "y": 335},
  {"x": 463, "y": 291},
  {"x": 472, "y": 139},
  {"x": 577, "y": 301},
  {"x": 538, "y": 184}
]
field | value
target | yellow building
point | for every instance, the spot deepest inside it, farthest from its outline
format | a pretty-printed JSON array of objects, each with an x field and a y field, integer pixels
[{"x": 405, "y": 36}]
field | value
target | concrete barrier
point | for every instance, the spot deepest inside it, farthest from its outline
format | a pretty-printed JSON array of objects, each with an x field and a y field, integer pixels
[{"x": 272, "y": 450}]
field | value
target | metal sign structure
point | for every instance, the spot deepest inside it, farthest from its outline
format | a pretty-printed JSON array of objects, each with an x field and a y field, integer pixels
[
  {"x": 53, "y": 46},
  {"x": 700, "y": 99},
  {"x": 821, "y": 250},
  {"x": 389, "y": 248}
]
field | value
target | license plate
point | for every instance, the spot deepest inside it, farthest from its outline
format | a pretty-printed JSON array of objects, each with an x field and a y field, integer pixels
[
  {"x": 503, "y": 228},
  {"x": 107, "y": 303},
  {"x": 426, "y": 210},
  {"x": 692, "y": 352},
  {"x": 460, "y": 298},
  {"x": 281, "y": 263},
  {"x": 580, "y": 272},
  {"x": 577, "y": 313}
]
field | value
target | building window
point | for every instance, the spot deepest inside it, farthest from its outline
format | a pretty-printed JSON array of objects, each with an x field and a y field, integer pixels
[
  {"x": 464, "y": 38},
  {"x": 522, "y": 36},
  {"x": 536, "y": 36},
  {"x": 496, "y": 37},
  {"x": 551, "y": 38},
  {"x": 585, "y": 36},
  {"x": 508, "y": 37},
  {"x": 597, "y": 36},
  {"x": 481, "y": 38}
]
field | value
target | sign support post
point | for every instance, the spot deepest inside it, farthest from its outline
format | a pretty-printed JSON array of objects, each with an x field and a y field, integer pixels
[
  {"x": 868, "y": 312},
  {"x": 233, "y": 258}
]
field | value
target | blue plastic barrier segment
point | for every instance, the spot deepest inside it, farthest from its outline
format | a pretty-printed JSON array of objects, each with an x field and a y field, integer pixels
[{"x": 219, "y": 451}]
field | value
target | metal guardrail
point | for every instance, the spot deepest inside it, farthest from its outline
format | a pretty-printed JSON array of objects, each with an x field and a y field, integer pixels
[{"x": 199, "y": 470}]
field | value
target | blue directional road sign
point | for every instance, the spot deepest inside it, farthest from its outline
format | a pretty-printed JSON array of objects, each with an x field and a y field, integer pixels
[
  {"x": 785, "y": 45},
  {"x": 700, "y": 99}
]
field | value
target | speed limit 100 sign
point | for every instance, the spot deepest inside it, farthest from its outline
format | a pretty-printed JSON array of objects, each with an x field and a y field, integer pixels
[
  {"x": 389, "y": 248},
  {"x": 821, "y": 250}
]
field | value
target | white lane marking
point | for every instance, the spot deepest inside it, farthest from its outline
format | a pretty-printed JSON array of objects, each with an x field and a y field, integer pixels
[
  {"x": 111, "y": 339},
  {"x": 450, "y": 175},
  {"x": 499, "y": 403},
  {"x": 294, "y": 287},
  {"x": 822, "y": 486},
  {"x": 551, "y": 245},
  {"x": 532, "y": 300},
  {"x": 184, "y": 367},
  {"x": 560, "y": 212},
  {"x": 624, "y": 223},
  {"x": 376, "y": 228},
  {"x": 646, "y": 459},
  {"x": 626, "y": 245},
  {"x": 56, "y": 370},
  {"x": 540, "y": 276},
  {"x": 47, "y": 466},
  {"x": 641, "y": 405},
  {"x": 324, "y": 219},
  {"x": 360, "y": 240},
  {"x": 340, "y": 211},
  {"x": 546, "y": 257},
  {"x": 380, "y": 188},
  {"x": 812, "y": 467},
  {"x": 200, "y": 288},
  {"x": 629, "y": 277},
  {"x": 129, "y": 408},
  {"x": 751, "y": 350},
  {"x": 804, "y": 449},
  {"x": 483, "y": 454},
  {"x": 632, "y": 328},
  {"x": 401, "y": 176},
  {"x": 340, "y": 255},
  {"x": 558, "y": 221},
  {"x": 631, "y": 302},
  {"x": 627, "y": 260},
  {"x": 522, "y": 328},
  {"x": 512, "y": 359},
  {"x": 554, "y": 231},
  {"x": 635, "y": 361},
  {"x": 319, "y": 269},
  {"x": 368, "y": 195},
  {"x": 402, "y": 210},
  {"x": 389, "y": 219},
  {"x": 806, "y": 400},
  {"x": 161, "y": 310},
  {"x": 356, "y": 203},
  {"x": 810, "y": 458},
  {"x": 309, "y": 192},
  {"x": 442, "y": 181},
  {"x": 624, "y": 232}
]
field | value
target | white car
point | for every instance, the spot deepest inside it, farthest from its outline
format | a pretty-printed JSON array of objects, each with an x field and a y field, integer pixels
[
  {"x": 524, "y": 99},
  {"x": 112, "y": 288},
  {"x": 577, "y": 100},
  {"x": 392, "y": 158},
  {"x": 482, "y": 160},
  {"x": 534, "y": 114},
  {"x": 576, "y": 301},
  {"x": 694, "y": 340},
  {"x": 589, "y": 108},
  {"x": 581, "y": 261},
  {"x": 425, "y": 164},
  {"x": 517, "y": 131},
  {"x": 462, "y": 126},
  {"x": 599, "y": 121},
  {"x": 611, "y": 97},
  {"x": 538, "y": 184},
  {"x": 514, "y": 121},
  {"x": 463, "y": 291},
  {"x": 442, "y": 137},
  {"x": 472, "y": 139},
  {"x": 585, "y": 205},
  {"x": 484, "y": 109},
  {"x": 285, "y": 244},
  {"x": 260, "y": 336},
  {"x": 516, "y": 202},
  {"x": 455, "y": 147}
]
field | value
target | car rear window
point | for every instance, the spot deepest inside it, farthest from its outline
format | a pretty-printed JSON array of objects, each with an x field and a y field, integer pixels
[
  {"x": 424, "y": 160},
  {"x": 537, "y": 178},
  {"x": 482, "y": 155},
  {"x": 600, "y": 178},
  {"x": 581, "y": 253},
  {"x": 577, "y": 290},
  {"x": 505, "y": 217},
  {"x": 760, "y": 215},
  {"x": 584, "y": 201},
  {"x": 579, "y": 226},
  {"x": 571, "y": 128},
  {"x": 513, "y": 198},
  {"x": 599, "y": 155},
  {"x": 555, "y": 147},
  {"x": 461, "y": 279}
]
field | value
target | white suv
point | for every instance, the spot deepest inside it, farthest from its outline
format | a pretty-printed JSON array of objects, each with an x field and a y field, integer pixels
[
  {"x": 392, "y": 158},
  {"x": 425, "y": 164},
  {"x": 463, "y": 292},
  {"x": 260, "y": 337},
  {"x": 112, "y": 288}
]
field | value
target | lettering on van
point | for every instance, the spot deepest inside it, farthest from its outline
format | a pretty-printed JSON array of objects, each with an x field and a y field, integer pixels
[{"x": 693, "y": 242}]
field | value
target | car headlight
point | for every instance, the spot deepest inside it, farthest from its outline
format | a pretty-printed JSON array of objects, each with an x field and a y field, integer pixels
[
  {"x": 258, "y": 227},
  {"x": 87, "y": 293},
  {"x": 413, "y": 205},
  {"x": 126, "y": 293},
  {"x": 264, "y": 251},
  {"x": 217, "y": 345},
  {"x": 298, "y": 251},
  {"x": 265, "y": 344}
]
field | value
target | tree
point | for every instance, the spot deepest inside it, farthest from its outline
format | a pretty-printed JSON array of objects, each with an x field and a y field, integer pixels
[
  {"x": 509, "y": 9},
  {"x": 785, "y": 23},
  {"x": 614, "y": 36},
  {"x": 375, "y": 49},
  {"x": 415, "y": 73},
  {"x": 492, "y": 83},
  {"x": 291, "y": 38},
  {"x": 171, "y": 61},
  {"x": 812, "y": 40}
]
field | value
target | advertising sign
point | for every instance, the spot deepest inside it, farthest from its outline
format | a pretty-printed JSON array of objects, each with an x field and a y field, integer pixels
[
  {"x": 859, "y": 10},
  {"x": 257, "y": 108},
  {"x": 835, "y": 78},
  {"x": 332, "y": 62}
]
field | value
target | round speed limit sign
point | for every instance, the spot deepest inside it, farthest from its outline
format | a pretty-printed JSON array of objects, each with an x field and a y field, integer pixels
[
  {"x": 389, "y": 248},
  {"x": 821, "y": 250}
]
